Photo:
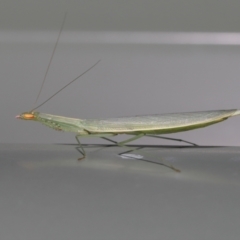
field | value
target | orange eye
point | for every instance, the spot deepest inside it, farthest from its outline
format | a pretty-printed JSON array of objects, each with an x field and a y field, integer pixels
[{"x": 28, "y": 116}]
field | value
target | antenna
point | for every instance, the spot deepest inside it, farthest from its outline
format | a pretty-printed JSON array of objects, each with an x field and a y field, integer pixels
[
  {"x": 55, "y": 46},
  {"x": 66, "y": 86}
]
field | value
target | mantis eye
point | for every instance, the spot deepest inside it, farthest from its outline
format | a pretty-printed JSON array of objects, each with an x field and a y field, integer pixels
[{"x": 26, "y": 116}]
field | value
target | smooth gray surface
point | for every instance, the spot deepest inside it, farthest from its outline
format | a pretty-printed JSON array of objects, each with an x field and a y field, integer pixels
[{"x": 47, "y": 194}]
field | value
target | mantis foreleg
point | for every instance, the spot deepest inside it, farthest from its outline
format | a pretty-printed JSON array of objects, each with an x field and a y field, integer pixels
[{"x": 82, "y": 151}]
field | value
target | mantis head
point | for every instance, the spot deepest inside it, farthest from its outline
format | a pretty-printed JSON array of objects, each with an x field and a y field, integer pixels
[{"x": 27, "y": 116}]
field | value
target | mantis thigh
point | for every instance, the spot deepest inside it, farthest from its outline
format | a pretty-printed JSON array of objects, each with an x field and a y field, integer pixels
[{"x": 90, "y": 135}]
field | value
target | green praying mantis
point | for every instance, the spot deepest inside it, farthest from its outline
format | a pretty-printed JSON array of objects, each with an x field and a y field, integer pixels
[{"x": 136, "y": 126}]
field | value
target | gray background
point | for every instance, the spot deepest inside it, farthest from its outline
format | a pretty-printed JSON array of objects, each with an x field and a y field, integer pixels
[{"x": 152, "y": 61}]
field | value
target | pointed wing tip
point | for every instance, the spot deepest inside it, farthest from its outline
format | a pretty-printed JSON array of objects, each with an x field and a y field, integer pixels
[{"x": 237, "y": 112}]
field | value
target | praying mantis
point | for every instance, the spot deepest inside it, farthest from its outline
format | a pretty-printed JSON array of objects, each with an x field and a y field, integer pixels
[{"x": 136, "y": 126}]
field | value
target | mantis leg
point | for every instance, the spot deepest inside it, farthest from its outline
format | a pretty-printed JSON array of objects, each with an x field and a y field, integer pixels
[
  {"x": 82, "y": 151},
  {"x": 122, "y": 144},
  {"x": 80, "y": 147},
  {"x": 131, "y": 139},
  {"x": 128, "y": 151},
  {"x": 173, "y": 139}
]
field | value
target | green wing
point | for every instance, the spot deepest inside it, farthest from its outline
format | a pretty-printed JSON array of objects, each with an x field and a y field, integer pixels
[{"x": 157, "y": 124}]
